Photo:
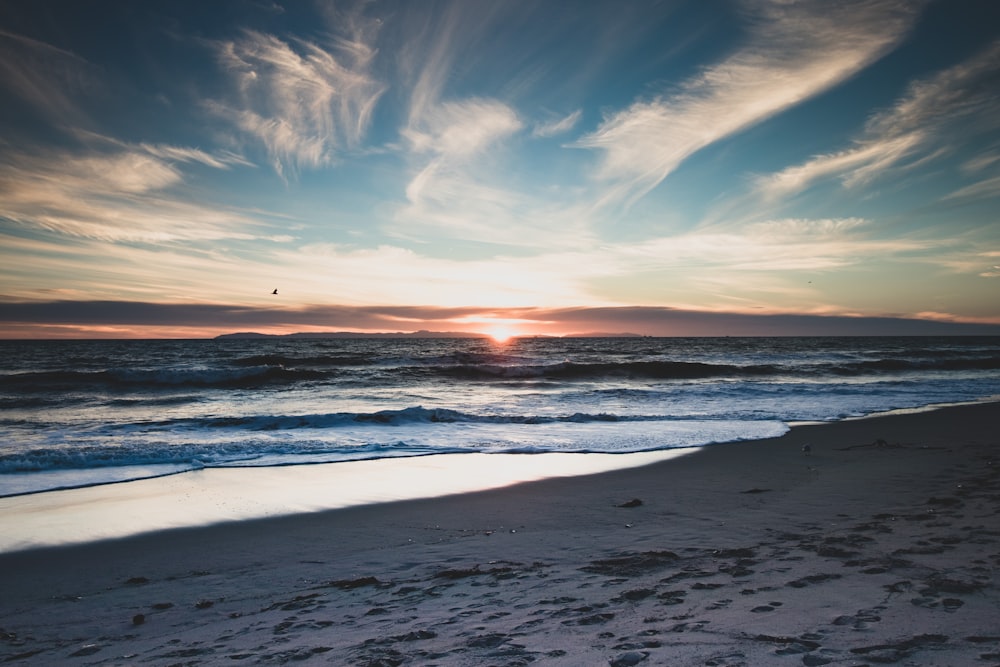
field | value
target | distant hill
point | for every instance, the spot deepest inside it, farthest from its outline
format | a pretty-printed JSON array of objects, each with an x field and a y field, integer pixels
[
  {"x": 604, "y": 334},
  {"x": 250, "y": 335}
]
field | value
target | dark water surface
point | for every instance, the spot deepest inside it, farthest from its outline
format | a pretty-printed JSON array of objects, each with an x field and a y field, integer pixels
[{"x": 78, "y": 413}]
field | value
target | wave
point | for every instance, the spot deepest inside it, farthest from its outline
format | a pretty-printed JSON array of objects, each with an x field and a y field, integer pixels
[
  {"x": 404, "y": 416},
  {"x": 39, "y": 471},
  {"x": 262, "y": 371},
  {"x": 685, "y": 370},
  {"x": 286, "y": 361},
  {"x": 363, "y": 359},
  {"x": 401, "y": 417},
  {"x": 131, "y": 379},
  {"x": 155, "y": 401},
  {"x": 467, "y": 358},
  {"x": 46, "y": 467},
  {"x": 928, "y": 363},
  {"x": 36, "y": 401},
  {"x": 194, "y": 456},
  {"x": 655, "y": 370}
]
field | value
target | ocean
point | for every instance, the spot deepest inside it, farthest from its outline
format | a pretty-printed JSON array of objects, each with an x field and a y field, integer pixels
[{"x": 87, "y": 413}]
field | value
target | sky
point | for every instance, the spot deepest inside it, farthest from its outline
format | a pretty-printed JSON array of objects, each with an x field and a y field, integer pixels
[{"x": 670, "y": 167}]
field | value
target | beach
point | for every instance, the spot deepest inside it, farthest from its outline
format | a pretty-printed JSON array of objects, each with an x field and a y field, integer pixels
[{"x": 868, "y": 541}]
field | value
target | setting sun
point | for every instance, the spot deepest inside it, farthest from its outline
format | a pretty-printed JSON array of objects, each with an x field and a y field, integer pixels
[{"x": 500, "y": 333}]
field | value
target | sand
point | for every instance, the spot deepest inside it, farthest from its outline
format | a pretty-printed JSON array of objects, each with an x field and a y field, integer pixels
[{"x": 880, "y": 545}]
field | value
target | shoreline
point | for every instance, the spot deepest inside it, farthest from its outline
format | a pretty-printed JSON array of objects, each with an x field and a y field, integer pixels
[
  {"x": 213, "y": 495},
  {"x": 880, "y": 544}
]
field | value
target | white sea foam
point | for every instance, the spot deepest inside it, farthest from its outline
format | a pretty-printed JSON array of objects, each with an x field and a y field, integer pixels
[{"x": 79, "y": 467}]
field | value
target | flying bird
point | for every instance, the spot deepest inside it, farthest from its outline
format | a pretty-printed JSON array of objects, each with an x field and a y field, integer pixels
[{"x": 275, "y": 291}]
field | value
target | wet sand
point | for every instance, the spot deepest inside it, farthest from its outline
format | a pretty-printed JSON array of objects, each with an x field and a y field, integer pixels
[{"x": 879, "y": 545}]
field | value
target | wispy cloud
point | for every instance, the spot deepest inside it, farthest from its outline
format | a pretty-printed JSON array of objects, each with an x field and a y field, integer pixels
[
  {"x": 969, "y": 259},
  {"x": 994, "y": 264},
  {"x": 118, "y": 194},
  {"x": 794, "y": 51},
  {"x": 461, "y": 148},
  {"x": 460, "y": 130},
  {"x": 434, "y": 46},
  {"x": 984, "y": 189},
  {"x": 456, "y": 147},
  {"x": 46, "y": 77},
  {"x": 770, "y": 247},
  {"x": 935, "y": 116},
  {"x": 303, "y": 100},
  {"x": 223, "y": 160},
  {"x": 981, "y": 162},
  {"x": 551, "y": 128}
]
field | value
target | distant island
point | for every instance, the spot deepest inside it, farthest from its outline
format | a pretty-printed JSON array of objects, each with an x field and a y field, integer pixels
[
  {"x": 605, "y": 334},
  {"x": 356, "y": 334},
  {"x": 250, "y": 335}
]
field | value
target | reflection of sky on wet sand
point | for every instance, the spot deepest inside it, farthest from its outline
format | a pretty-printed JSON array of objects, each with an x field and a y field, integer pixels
[{"x": 216, "y": 495}]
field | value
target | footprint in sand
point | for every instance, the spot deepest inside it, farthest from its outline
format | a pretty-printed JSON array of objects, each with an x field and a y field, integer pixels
[
  {"x": 729, "y": 660},
  {"x": 671, "y": 597},
  {"x": 950, "y": 605},
  {"x": 629, "y": 659},
  {"x": 719, "y": 604},
  {"x": 812, "y": 579},
  {"x": 861, "y": 619}
]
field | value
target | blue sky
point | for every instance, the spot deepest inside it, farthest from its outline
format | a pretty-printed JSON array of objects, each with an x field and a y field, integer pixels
[{"x": 668, "y": 168}]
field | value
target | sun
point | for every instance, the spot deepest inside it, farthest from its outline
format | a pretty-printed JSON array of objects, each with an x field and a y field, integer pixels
[
  {"x": 500, "y": 333},
  {"x": 500, "y": 330}
]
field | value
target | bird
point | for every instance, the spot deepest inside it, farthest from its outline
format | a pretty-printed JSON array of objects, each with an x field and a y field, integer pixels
[
  {"x": 806, "y": 448},
  {"x": 275, "y": 291}
]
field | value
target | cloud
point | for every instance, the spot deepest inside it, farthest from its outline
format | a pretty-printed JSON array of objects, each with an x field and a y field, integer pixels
[
  {"x": 981, "y": 162},
  {"x": 120, "y": 194},
  {"x": 457, "y": 130},
  {"x": 970, "y": 260},
  {"x": 985, "y": 189},
  {"x": 452, "y": 134},
  {"x": 557, "y": 126},
  {"x": 391, "y": 273},
  {"x": 435, "y": 45},
  {"x": 460, "y": 146},
  {"x": 794, "y": 51},
  {"x": 304, "y": 101},
  {"x": 223, "y": 160},
  {"x": 228, "y": 317},
  {"x": 456, "y": 147},
  {"x": 214, "y": 319},
  {"x": 934, "y": 117},
  {"x": 462, "y": 149},
  {"x": 779, "y": 245},
  {"x": 45, "y": 77}
]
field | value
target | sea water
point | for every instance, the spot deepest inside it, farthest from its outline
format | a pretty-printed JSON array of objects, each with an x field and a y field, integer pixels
[{"x": 89, "y": 413}]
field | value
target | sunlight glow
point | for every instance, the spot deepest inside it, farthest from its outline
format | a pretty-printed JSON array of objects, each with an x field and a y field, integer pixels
[
  {"x": 500, "y": 329},
  {"x": 501, "y": 333}
]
